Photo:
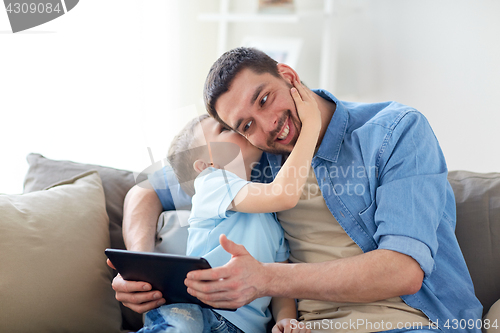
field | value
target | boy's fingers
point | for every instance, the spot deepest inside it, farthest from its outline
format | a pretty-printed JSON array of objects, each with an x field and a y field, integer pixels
[
  {"x": 295, "y": 94},
  {"x": 302, "y": 90}
]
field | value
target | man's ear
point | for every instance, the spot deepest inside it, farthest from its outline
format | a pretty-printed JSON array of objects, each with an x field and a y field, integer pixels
[
  {"x": 287, "y": 73},
  {"x": 200, "y": 165}
]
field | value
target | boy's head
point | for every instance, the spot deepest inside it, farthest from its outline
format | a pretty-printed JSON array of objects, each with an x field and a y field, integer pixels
[
  {"x": 182, "y": 154},
  {"x": 189, "y": 152}
]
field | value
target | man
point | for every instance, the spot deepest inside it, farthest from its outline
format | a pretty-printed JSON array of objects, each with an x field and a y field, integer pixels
[{"x": 374, "y": 251}]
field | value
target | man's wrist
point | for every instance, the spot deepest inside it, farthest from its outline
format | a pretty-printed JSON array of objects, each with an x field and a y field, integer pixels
[
  {"x": 266, "y": 280},
  {"x": 270, "y": 280}
]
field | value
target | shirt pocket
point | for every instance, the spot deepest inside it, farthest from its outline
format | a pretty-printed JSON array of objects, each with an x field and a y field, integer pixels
[{"x": 367, "y": 215}]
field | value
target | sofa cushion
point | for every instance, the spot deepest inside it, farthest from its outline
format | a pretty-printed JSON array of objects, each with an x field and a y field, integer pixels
[
  {"x": 53, "y": 275},
  {"x": 492, "y": 319},
  {"x": 44, "y": 172},
  {"x": 478, "y": 229},
  {"x": 172, "y": 232}
]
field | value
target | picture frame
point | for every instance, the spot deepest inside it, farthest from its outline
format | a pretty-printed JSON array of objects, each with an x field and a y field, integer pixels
[{"x": 276, "y": 6}]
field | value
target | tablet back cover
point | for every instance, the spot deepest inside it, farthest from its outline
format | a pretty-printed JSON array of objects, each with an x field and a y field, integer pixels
[{"x": 164, "y": 272}]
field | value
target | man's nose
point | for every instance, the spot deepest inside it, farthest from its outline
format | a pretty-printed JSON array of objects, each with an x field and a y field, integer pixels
[{"x": 270, "y": 121}]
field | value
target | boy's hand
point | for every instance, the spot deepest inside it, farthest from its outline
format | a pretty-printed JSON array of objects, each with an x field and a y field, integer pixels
[
  {"x": 289, "y": 325},
  {"x": 307, "y": 107}
]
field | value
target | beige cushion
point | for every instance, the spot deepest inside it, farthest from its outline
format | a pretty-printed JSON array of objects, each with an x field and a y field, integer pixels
[
  {"x": 44, "y": 172},
  {"x": 478, "y": 229},
  {"x": 492, "y": 319},
  {"x": 53, "y": 273}
]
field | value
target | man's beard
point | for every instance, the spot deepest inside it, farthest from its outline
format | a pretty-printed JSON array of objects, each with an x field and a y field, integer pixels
[{"x": 273, "y": 146}]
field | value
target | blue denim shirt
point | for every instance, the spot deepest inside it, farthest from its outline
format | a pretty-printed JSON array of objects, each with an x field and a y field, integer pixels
[{"x": 384, "y": 178}]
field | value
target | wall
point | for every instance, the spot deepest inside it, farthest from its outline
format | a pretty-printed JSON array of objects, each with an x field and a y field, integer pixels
[{"x": 442, "y": 57}]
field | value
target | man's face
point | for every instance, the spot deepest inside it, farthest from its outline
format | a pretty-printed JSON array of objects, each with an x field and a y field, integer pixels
[{"x": 260, "y": 107}]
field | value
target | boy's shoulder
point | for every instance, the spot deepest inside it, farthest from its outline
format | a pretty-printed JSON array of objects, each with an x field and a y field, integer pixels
[{"x": 216, "y": 188}]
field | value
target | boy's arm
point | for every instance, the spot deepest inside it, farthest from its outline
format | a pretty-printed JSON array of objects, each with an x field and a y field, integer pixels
[
  {"x": 284, "y": 192},
  {"x": 283, "y": 308},
  {"x": 285, "y": 314}
]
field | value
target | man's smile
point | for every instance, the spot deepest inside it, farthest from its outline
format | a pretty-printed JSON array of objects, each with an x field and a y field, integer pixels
[{"x": 286, "y": 130}]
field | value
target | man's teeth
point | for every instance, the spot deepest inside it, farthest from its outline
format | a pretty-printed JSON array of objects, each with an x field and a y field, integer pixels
[{"x": 285, "y": 133}]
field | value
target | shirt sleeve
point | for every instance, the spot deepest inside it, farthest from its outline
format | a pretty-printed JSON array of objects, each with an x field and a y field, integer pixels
[
  {"x": 168, "y": 189},
  {"x": 412, "y": 194},
  {"x": 283, "y": 252},
  {"x": 215, "y": 189}
]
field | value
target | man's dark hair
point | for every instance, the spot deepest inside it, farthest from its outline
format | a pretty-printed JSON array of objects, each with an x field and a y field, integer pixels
[
  {"x": 182, "y": 154},
  {"x": 225, "y": 69}
]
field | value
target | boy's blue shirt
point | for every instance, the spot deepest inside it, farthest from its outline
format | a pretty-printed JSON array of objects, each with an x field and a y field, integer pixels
[
  {"x": 260, "y": 233},
  {"x": 384, "y": 178}
]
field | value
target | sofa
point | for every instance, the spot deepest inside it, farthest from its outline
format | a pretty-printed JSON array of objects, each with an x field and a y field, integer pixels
[{"x": 53, "y": 272}]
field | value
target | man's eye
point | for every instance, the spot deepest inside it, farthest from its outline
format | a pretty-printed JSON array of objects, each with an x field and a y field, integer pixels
[
  {"x": 247, "y": 126},
  {"x": 263, "y": 100}
]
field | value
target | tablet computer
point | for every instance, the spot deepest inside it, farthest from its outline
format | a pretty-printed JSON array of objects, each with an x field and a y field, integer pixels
[{"x": 165, "y": 272}]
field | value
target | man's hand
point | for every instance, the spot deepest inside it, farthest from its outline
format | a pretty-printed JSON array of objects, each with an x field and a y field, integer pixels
[
  {"x": 137, "y": 296},
  {"x": 233, "y": 285},
  {"x": 289, "y": 325}
]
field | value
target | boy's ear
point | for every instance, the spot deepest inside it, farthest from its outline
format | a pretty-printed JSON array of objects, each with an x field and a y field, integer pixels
[
  {"x": 287, "y": 73},
  {"x": 200, "y": 165}
]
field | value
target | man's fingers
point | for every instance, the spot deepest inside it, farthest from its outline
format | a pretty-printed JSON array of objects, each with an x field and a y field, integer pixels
[
  {"x": 110, "y": 264},
  {"x": 231, "y": 247},
  {"x": 121, "y": 285},
  {"x": 218, "y": 301},
  {"x": 133, "y": 295},
  {"x": 139, "y": 298},
  {"x": 144, "y": 307},
  {"x": 212, "y": 274},
  {"x": 208, "y": 285},
  {"x": 227, "y": 298}
]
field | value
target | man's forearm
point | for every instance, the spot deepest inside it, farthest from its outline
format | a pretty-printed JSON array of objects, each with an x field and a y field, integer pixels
[
  {"x": 140, "y": 216},
  {"x": 368, "y": 277}
]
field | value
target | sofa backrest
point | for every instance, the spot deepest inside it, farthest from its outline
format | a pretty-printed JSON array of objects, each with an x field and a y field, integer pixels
[{"x": 478, "y": 229}]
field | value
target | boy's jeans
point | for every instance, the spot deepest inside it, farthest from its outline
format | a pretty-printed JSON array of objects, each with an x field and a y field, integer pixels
[{"x": 183, "y": 317}]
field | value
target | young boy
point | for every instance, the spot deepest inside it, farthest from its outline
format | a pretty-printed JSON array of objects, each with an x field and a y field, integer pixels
[{"x": 226, "y": 203}]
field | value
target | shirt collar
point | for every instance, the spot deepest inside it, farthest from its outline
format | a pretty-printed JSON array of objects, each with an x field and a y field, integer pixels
[{"x": 331, "y": 144}]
